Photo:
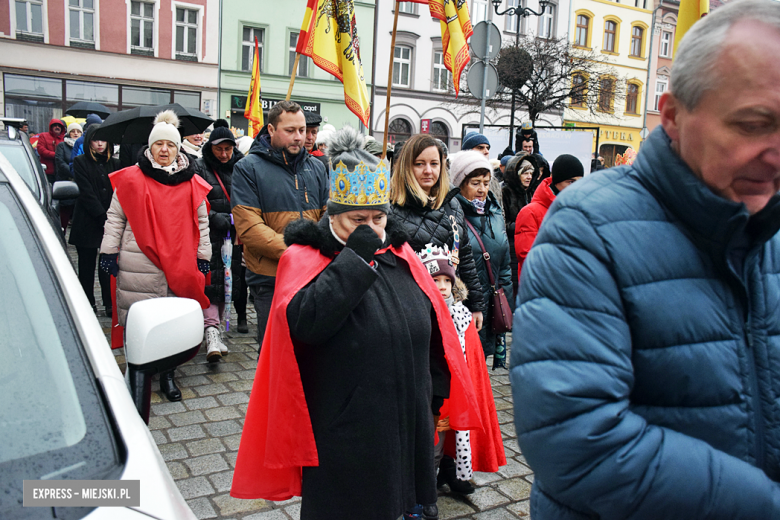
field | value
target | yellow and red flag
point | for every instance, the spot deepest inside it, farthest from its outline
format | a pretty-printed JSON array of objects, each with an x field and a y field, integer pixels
[
  {"x": 329, "y": 36},
  {"x": 453, "y": 15},
  {"x": 254, "y": 105},
  {"x": 690, "y": 12}
]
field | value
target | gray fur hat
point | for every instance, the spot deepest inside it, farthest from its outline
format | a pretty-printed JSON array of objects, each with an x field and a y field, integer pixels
[{"x": 359, "y": 180}]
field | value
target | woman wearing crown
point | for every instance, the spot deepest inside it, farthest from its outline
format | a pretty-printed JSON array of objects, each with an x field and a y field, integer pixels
[{"x": 362, "y": 353}]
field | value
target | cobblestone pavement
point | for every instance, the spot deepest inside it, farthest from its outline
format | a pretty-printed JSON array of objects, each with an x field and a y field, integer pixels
[{"x": 199, "y": 436}]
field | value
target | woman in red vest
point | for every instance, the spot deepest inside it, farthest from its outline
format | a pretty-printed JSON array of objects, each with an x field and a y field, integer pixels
[{"x": 156, "y": 237}]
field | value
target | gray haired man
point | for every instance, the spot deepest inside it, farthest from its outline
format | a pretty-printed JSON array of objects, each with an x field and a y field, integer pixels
[{"x": 647, "y": 384}]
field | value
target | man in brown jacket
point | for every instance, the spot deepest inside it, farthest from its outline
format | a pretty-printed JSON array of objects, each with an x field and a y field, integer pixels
[{"x": 276, "y": 183}]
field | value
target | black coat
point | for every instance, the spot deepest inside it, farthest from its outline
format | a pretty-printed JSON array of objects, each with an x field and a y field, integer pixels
[
  {"x": 370, "y": 365},
  {"x": 515, "y": 197},
  {"x": 62, "y": 161},
  {"x": 95, "y": 192},
  {"x": 208, "y": 167},
  {"x": 433, "y": 226}
]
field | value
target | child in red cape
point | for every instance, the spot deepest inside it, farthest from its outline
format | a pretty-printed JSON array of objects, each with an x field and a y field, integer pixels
[{"x": 475, "y": 450}]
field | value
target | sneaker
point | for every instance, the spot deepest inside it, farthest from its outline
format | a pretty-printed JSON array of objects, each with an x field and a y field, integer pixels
[{"x": 214, "y": 345}]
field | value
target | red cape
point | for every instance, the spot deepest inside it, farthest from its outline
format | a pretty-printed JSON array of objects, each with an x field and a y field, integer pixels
[
  {"x": 164, "y": 220},
  {"x": 278, "y": 439},
  {"x": 487, "y": 446}
]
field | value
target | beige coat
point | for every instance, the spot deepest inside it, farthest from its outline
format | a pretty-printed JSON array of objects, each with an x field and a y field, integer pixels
[{"x": 139, "y": 279}]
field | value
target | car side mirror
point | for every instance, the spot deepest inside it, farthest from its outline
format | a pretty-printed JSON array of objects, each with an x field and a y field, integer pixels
[
  {"x": 160, "y": 334},
  {"x": 63, "y": 190}
]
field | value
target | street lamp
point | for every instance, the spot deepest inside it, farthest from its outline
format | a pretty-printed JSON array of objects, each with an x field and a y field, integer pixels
[{"x": 519, "y": 12}]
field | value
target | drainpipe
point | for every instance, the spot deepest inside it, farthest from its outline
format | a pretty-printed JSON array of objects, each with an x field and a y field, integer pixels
[
  {"x": 649, "y": 68},
  {"x": 219, "y": 65}
]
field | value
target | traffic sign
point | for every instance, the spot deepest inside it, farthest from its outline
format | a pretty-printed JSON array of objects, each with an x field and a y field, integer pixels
[
  {"x": 486, "y": 40},
  {"x": 476, "y": 76}
]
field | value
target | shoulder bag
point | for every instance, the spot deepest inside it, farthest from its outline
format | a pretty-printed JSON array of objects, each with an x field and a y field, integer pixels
[{"x": 501, "y": 320}]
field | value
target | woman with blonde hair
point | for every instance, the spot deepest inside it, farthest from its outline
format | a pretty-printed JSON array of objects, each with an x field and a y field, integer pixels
[{"x": 424, "y": 203}]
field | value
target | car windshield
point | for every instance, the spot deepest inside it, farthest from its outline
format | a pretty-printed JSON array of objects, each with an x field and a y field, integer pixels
[
  {"x": 53, "y": 422},
  {"x": 19, "y": 159}
]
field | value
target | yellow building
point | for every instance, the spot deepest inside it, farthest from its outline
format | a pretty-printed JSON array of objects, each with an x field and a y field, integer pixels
[{"x": 621, "y": 31}]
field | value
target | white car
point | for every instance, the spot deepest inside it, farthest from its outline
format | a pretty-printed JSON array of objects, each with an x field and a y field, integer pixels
[{"x": 65, "y": 412}]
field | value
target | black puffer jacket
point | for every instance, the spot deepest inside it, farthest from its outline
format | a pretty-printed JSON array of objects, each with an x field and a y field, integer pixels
[
  {"x": 209, "y": 167},
  {"x": 432, "y": 226}
]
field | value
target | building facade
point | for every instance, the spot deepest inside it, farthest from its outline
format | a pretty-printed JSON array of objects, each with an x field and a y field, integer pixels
[
  {"x": 276, "y": 25},
  {"x": 620, "y": 30},
  {"x": 662, "y": 56},
  {"x": 121, "y": 53},
  {"x": 422, "y": 97}
]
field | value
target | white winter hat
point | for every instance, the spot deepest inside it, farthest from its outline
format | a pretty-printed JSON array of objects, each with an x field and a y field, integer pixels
[
  {"x": 463, "y": 163},
  {"x": 74, "y": 126},
  {"x": 166, "y": 128}
]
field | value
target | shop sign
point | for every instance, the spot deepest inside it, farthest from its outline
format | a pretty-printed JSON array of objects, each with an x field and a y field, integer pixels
[{"x": 239, "y": 103}]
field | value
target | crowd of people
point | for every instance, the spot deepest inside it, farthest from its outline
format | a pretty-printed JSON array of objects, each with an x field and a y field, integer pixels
[{"x": 644, "y": 297}]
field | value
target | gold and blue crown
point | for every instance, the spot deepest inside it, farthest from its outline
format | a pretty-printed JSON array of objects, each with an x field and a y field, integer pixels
[{"x": 362, "y": 187}]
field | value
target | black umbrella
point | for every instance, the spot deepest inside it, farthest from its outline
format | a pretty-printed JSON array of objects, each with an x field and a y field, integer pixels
[
  {"x": 84, "y": 108},
  {"x": 135, "y": 125}
]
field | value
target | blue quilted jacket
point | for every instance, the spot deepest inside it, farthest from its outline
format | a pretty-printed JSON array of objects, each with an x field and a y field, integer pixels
[{"x": 647, "y": 381}]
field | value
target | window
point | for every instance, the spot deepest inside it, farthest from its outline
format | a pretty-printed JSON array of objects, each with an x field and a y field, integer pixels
[
  {"x": 29, "y": 16},
  {"x": 637, "y": 33},
  {"x": 606, "y": 93},
  {"x": 248, "y": 48},
  {"x": 632, "y": 99},
  {"x": 660, "y": 88},
  {"x": 512, "y": 22},
  {"x": 186, "y": 32},
  {"x": 142, "y": 25},
  {"x": 440, "y": 131},
  {"x": 547, "y": 22},
  {"x": 578, "y": 86},
  {"x": 407, "y": 7},
  {"x": 666, "y": 45},
  {"x": 402, "y": 66},
  {"x": 303, "y": 64},
  {"x": 441, "y": 76},
  {"x": 479, "y": 11},
  {"x": 581, "y": 37},
  {"x": 610, "y": 30},
  {"x": 399, "y": 130},
  {"x": 82, "y": 14},
  {"x": 642, "y": 4}
]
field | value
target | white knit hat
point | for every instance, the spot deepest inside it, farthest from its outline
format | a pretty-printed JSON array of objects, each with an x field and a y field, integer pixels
[
  {"x": 463, "y": 163},
  {"x": 166, "y": 128},
  {"x": 74, "y": 126}
]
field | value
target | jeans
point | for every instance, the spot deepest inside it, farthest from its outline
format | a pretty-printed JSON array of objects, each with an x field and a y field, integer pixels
[{"x": 263, "y": 295}]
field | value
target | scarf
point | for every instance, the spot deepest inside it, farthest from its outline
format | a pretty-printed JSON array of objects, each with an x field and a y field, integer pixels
[
  {"x": 176, "y": 166},
  {"x": 69, "y": 141},
  {"x": 479, "y": 205}
]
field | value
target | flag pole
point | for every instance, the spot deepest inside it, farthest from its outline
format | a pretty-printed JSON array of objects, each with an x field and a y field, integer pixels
[
  {"x": 292, "y": 76},
  {"x": 390, "y": 81}
]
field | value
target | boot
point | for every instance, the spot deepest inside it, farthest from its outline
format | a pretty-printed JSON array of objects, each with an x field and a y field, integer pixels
[
  {"x": 242, "y": 326},
  {"x": 430, "y": 512},
  {"x": 448, "y": 474},
  {"x": 168, "y": 386},
  {"x": 214, "y": 345},
  {"x": 109, "y": 311}
]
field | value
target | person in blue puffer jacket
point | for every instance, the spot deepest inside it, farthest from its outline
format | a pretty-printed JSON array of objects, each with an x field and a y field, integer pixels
[{"x": 647, "y": 385}]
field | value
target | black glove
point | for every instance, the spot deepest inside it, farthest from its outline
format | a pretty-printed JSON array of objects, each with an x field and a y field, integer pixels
[
  {"x": 109, "y": 264},
  {"x": 365, "y": 242},
  {"x": 203, "y": 266},
  {"x": 219, "y": 221}
]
